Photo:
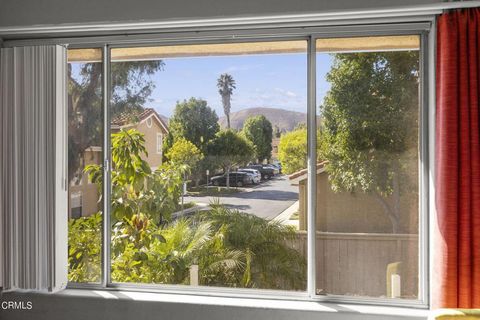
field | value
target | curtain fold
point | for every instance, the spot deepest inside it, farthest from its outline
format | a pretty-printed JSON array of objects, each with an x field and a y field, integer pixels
[
  {"x": 33, "y": 194},
  {"x": 456, "y": 231}
]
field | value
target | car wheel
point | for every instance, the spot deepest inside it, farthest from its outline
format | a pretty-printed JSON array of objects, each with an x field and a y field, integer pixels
[
  {"x": 239, "y": 184},
  {"x": 216, "y": 183},
  {"x": 266, "y": 177}
]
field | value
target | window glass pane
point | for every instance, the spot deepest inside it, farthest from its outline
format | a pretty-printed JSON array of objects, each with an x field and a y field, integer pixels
[
  {"x": 367, "y": 179},
  {"x": 85, "y": 154},
  {"x": 204, "y": 141}
]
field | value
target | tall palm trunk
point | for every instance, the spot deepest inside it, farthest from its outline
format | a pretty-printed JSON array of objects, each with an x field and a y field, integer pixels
[
  {"x": 226, "y": 108},
  {"x": 225, "y": 85}
]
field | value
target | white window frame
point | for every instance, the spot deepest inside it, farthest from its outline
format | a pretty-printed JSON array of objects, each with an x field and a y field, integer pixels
[{"x": 290, "y": 29}]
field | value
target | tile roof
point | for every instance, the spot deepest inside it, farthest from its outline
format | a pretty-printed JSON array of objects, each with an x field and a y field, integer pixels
[{"x": 129, "y": 117}]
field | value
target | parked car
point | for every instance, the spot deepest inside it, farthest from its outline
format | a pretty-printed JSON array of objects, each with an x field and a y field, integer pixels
[
  {"x": 257, "y": 176},
  {"x": 238, "y": 179},
  {"x": 278, "y": 165},
  {"x": 266, "y": 172},
  {"x": 275, "y": 168}
]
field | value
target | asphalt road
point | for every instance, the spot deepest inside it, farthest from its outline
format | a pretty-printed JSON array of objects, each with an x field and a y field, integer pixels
[{"x": 266, "y": 200}]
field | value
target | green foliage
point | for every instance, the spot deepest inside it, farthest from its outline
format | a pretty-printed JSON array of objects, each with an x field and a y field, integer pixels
[
  {"x": 267, "y": 259},
  {"x": 84, "y": 249},
  {"x": 184, "y": 152},
  {"x": 131, "y": 87},
  {"x": 229, "y": 149},
  {"x": 230, "y": 248},
  {"x": 258, "y": 130},
  {"x": 370, "y": 123},
  {"x": 168, "y": 258},
  {"x": 194, "y": 121},
  {"x": 135, "y": 188},
  {"x": 292, "y": 150},
  {"x": 226, "y": 84},
  {"x": 132, "y": 84}
]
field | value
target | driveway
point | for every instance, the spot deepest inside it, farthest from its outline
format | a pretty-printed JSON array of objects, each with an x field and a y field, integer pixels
[{"x": 267, "y": 200}]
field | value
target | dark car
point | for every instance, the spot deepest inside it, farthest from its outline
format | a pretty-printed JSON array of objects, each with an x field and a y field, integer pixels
[
  {"x": 238, "y": 179},
  {"x": 278, "y": 165},
  {"x": 266, "y": 172}
]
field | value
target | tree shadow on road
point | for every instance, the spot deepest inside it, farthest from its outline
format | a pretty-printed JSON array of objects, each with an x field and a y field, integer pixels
[{"x": 265, "y": 195}]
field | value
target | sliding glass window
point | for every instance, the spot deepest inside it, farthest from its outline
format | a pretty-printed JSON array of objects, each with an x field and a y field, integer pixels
[
  {"x": 199, "y": 195},
  {"x": 367, "y": 215},
  {"x": 209, "y": 167}
]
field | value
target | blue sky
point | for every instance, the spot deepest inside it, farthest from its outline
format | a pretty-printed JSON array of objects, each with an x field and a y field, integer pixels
[{"x": 274, "y": 80}]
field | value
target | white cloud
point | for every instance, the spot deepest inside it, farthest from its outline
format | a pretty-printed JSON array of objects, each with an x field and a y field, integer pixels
[
  {"x": 286, "y": 93},
  {"x": 276, "y": 98},
  {"x": 240, "y": 68}
]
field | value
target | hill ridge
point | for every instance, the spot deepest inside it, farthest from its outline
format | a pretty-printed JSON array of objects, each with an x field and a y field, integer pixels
[{"x": 285, "y": 120}]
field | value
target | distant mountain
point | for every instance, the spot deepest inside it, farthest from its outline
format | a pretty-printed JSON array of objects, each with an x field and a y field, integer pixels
[{"x": 285, "y": 120}]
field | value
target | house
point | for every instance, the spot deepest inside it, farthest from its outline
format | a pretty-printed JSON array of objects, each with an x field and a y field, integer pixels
[
  {"x": 356, "y": 222},
  {"x": 344, "y": 211},
  {"x": 150, "y": 124},
  {"x": 84, "y": 194}
]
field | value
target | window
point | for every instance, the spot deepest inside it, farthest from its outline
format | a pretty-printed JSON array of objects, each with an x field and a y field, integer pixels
[
  {"x": 220, "y": 103},
  {"x": 210, "y": 184},
  {"x": 367, "y": 179},
  {"x": 85, "y": 145}
]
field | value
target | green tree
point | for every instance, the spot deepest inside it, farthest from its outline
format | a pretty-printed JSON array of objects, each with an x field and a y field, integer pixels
[
  {"x": 85, "y": 249},
  {"x": 194, "y": 121},
  {"x": 184, "y": 152},
  {"x": 292, "y": 149},
  {"x": 266, "y": 260},
  {"x": 226, "y": 84},
  {"x": 370, "y": 119},
  {"x": 258, "y": 129},
  {"x": 229, "y": 149},
  {"x": 131, "y": 88},
  {"x": 137, "y": 192},
  {"x": 230, "y": 248}
]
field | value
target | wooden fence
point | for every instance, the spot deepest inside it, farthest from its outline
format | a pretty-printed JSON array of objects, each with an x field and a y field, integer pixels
[{"x": 356, "y": 263}]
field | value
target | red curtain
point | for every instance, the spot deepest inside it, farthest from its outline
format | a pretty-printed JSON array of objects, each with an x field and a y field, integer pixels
[{"x": 456, "y": 247}]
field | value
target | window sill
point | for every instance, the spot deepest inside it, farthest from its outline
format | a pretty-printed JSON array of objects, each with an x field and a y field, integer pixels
[{"x": 132, "y": 304}]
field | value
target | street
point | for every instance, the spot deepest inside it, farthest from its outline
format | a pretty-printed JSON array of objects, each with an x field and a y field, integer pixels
[{"x": 266, "y": 200}]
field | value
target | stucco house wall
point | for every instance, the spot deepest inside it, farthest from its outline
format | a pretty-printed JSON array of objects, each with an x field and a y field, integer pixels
[{"x": 353, "y": 212}]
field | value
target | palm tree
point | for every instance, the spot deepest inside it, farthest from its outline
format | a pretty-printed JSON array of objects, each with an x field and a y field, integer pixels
[
  {"x": 225, "y": 85},
  {"x": 267, "y": 260}
]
